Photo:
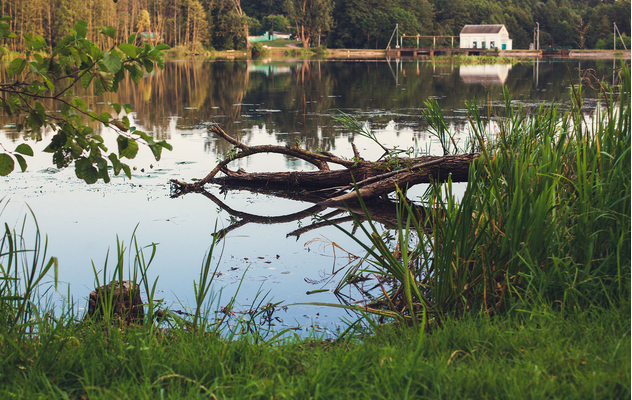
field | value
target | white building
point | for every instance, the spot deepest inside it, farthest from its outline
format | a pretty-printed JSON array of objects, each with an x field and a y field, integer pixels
[{"x": 485, "y": 37}]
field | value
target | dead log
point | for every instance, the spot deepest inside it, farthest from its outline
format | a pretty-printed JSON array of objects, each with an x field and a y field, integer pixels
[
  {"x": 374, "y": 179},
  {"x": 122, "y": 299}
]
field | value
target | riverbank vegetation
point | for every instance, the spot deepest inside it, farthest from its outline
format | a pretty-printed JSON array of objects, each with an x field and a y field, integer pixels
[
  {"x": 367, "y": 24},
  {"x": 545, "y": 218},
  {"x": 487, "y": 59},
  {"x": 521, "y": 288}
]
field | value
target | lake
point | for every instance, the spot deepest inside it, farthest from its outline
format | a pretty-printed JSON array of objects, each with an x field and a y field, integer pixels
[{"x": 259, "y": 102}]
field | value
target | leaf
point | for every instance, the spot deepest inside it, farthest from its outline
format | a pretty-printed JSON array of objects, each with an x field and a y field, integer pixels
[
  {"x": 105, "y": 118},
  {"x": 116, "y": 164},
  {"x": 166, "y": 145},
  {"x": 149, "y": 65},
  {"x": 21, "y": 161},
  {"x": 75, "y": 150},
  {"x": 116, "y": 107},
  {"x": 109, "y": 31},
  {"x": 34, "y": 42},
  {"x": 128, "y": 49},
  {"x": 57, "y": 142},
  {"x": 49, "y": 84},
  {"x": 85, "y": 80},
  {"x": 6, "y": 164},
  {"x": 156, "y": 150},
  {"x": 161, "y": 46},
  {"x": 81, "y": 28},
  {"x": 101, "y": 163},
  {"x": 135, "y": 72},
  {"x": 86, "y": 171},
  {"x": 131, "y": 39},
  {"x": 127, "y": 170},
  {"x": 25, "y": 149},
  {"x": 103, "y": 83},
  {"x": 17, "y": 66},
  {"x": 79, "y": 103},
  {"x": 103, "y": 172},
  {"x": 112, "y": 63},
  {"x": 127, "y": 147},
  {"x": 62, "y": 158},
  {"x": 5, "y": 30}
]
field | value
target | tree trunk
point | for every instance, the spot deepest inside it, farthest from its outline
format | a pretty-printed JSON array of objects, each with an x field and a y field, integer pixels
[{"x": 370, "y": 179}]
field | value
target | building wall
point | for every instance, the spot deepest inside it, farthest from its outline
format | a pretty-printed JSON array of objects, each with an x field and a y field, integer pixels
[{"x": 467, "y": 40}]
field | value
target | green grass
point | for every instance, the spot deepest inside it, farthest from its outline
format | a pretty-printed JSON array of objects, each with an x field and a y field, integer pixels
[
  {"x": 282, "y": 43},
  {"x": 527, "y": 355}
]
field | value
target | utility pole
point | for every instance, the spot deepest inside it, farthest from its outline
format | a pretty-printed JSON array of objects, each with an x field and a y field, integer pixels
[{"x": 616, "y": 31}]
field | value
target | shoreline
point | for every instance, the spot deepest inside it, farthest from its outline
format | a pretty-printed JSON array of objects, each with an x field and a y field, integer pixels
[{"x": 359, "y": 54}]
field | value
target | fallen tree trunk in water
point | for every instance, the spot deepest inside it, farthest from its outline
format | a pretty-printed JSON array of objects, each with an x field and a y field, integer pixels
[{"x": 373, "y": 179}]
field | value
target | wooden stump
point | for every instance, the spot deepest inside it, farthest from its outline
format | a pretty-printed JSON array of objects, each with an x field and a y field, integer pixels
[{"x": 124, "y": 301}]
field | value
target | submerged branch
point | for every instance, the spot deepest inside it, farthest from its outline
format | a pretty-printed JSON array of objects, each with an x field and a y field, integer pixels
[{"x": 374, "y": 179}]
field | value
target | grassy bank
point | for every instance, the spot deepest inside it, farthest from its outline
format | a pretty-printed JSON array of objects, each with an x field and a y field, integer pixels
[
  {"x": 521, "y": 289},
  {"x": 540, "y": 354}
]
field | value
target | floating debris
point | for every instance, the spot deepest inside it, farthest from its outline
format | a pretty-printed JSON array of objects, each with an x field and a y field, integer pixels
[{"x": 316, "y": 291}]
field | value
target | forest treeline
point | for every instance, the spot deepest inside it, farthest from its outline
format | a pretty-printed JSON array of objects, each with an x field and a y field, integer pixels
[{"x": 224, "y": 24}]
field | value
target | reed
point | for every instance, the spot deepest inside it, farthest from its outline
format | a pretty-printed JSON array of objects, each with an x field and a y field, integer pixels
[
  {"x": 545, "y": 218},
  {"x": 22, "y": 269}
]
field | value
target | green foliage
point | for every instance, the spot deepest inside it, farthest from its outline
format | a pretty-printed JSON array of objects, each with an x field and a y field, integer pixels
[
  {"x": 37, "y": 80},
  {"x": 311, "y": 18},
  {"x": 22, "y": 270},
  {"x": 534, "y": 352},
  {"x": 537, "y": 355},
  {"x": 608, "y": 43},
  {"x": 256, "y": 49},
  {"x": 278, "y": 23},
  {"x": 545, "y": 218}
]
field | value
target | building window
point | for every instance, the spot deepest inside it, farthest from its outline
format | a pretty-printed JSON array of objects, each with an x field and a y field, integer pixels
[
  {"x": 474, "y": 44},
  {"x": 491, "y": 45},
  {"x": 483, "y": 45}
]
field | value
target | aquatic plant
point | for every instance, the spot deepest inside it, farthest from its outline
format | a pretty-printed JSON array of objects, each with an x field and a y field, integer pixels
[{"x": 545, "y": 217}]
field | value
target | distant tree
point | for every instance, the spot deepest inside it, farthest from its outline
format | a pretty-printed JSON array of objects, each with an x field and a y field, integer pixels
[
  {"x": 143, "y": 23},
  {"x": 243, "y": 19},
  {"x": 581, "y": 29},
  {"x": 277, "y": 22},
  {"x": 311, "y": 18}
]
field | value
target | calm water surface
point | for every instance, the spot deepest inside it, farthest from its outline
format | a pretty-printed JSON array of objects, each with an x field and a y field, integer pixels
[{"x": 258, "y": 102}]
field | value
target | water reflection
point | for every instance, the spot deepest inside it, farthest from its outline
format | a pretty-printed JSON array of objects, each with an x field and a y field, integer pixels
[
  {"x": 485, "y": 74},
  {"x": 296, "y": 99},
  {"x": 293, "y": 101},
  {"x": 383, "y": 212}
]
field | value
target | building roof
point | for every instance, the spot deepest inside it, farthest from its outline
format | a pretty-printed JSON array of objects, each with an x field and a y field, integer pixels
[{"x": 482, "y": 28}]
